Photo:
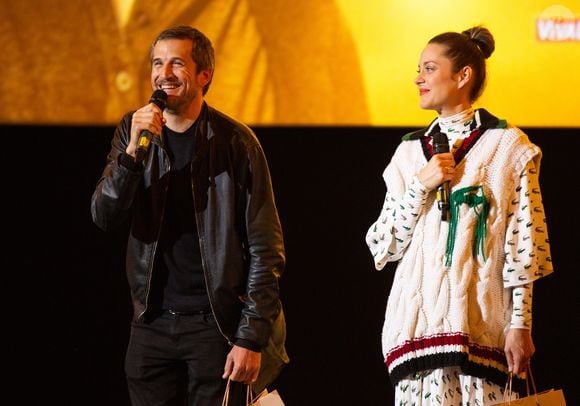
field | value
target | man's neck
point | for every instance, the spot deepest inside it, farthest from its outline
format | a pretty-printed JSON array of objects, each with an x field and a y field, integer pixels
[{"x": 181, "y": 122}]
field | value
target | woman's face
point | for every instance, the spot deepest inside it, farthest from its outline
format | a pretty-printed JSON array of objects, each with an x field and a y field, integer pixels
[{"x": 439, "y": 88}]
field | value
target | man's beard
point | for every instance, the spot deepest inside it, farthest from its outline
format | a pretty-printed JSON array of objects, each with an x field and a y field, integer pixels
[{"x": 179, "y": 105}]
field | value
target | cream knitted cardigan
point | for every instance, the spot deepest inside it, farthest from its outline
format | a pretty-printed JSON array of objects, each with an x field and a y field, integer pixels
[{"x": 440, "y": 315}]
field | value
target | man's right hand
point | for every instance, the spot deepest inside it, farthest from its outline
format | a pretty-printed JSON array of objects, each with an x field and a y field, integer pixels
[{"x": 149, "y": 117}]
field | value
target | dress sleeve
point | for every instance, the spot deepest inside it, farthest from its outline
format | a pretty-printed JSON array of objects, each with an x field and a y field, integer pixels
[
  {"x": 389, "y": 236},
  {"x": 527, "y": 247},
  {"x": 522, "y": 306}
]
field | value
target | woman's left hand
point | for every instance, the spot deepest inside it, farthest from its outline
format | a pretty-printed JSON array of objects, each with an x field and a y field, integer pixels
[{"x": 519, "y": 349}]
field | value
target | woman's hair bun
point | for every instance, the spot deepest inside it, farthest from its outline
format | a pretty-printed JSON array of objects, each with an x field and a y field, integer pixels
[{"x": 482, "y": 38}]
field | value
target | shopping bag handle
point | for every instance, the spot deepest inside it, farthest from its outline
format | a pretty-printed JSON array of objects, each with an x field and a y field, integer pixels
[
  {"x": 529, "y": 377},
  {"x": 249, "y": 395}
]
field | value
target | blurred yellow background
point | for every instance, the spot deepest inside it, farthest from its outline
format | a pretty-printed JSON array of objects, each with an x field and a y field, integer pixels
[
  {"x": 530, "y": 82},
  {"x": 324, "y": 62}
]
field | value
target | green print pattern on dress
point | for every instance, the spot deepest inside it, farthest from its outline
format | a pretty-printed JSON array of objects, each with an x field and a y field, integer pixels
[
  {"x": 404, "y": 215},
  {"x": 446, "y": 388},
  {"x": 522, "y": 306},
  {"x": 474, "y": 197},
  {"x": 527, "y": 253},
  {"x": 456, "y": 135},
  {"x": 463, "y": 129}
]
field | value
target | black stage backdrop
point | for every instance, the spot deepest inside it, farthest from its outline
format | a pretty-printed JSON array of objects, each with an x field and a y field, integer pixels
[{"x": 67, "y": 300}]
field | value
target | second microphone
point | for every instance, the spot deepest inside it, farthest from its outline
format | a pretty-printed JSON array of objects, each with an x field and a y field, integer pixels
[{"x": 440, "y": 146}]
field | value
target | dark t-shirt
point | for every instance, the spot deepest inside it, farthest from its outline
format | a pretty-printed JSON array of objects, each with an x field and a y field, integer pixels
[{"x": 178, "y": 269}]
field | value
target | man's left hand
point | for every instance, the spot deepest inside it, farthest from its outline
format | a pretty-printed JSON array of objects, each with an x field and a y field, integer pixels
[{"x": 242, "y": 365}]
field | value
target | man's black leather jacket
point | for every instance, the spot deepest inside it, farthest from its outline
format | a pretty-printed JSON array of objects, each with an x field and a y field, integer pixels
[{"x": 240, "y": 236}]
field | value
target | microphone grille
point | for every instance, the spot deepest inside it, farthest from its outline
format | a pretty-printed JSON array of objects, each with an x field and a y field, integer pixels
[
  {"x": 440, "y": 143},
  {"x": 159, "y": 98}
]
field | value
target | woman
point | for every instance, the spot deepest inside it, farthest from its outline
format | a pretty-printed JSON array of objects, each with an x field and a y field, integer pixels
[{"x": 458, "y": 318}]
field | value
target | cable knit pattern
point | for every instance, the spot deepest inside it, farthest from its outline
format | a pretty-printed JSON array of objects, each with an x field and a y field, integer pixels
[{"x": 441, "y": 316}]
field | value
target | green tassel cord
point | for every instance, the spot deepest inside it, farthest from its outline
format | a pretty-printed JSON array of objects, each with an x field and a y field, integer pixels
[{"x": 474, "y": 197}]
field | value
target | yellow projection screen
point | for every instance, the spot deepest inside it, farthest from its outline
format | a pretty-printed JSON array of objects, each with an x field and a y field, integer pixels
[{"x": 280, "y": 62}]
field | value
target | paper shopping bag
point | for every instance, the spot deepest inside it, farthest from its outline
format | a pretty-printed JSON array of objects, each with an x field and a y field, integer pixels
[
  {"x": 268, "y": 399},
  {"x": 547, "y": 398},
  {"x": 265, "y": 398},
  {"x": 550, "y": 397}
]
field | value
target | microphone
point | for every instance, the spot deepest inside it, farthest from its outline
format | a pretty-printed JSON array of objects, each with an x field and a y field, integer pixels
[
  {"x": 159, "y": 98},
  {"x": 441, "y": 145}
]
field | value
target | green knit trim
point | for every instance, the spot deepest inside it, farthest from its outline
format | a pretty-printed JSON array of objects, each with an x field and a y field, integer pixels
[
  {"x": 474, "y": 197},
  {"x": 408, "y": 136},
  {"x": 501, "y": 124}
]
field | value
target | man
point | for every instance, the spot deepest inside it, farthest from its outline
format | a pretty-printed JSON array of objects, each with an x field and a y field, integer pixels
[{"x": 205, "y": 248}]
